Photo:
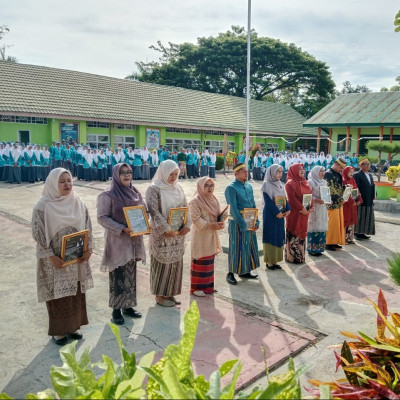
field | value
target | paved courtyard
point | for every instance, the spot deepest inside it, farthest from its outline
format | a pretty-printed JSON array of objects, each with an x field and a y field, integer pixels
[{"x": 298, "y": 311}]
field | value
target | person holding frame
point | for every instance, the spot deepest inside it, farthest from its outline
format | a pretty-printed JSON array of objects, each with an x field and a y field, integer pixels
[
  {"x": 204, "y": 211},
  {"x": 276, "y": 209},
  {"x": 121, "y": 250},
  {"x": 318, "y": 220},
  {"x": 58, "y": 213},
  {"x": 243, "y": 249},
  {"x": 350, "y": 207},
  {"x": 166, "y": 246},
  {"x": 297, "y": 221}
]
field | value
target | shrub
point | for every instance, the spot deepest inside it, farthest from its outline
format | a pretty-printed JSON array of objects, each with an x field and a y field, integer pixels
[
  {"x": 394, "y": 267},
  {"x": 393, "y": 173},
  {"x": 219, "y": 163},
  {"x": 370, "y": 364},
  {"x": 172, "y": 377}
]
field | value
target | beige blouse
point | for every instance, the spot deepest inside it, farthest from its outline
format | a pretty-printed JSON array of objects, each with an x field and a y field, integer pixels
[{"x": 204, "y": 240}]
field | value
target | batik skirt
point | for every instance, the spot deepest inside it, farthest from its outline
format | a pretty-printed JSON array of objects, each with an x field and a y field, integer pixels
[
  {"x": 295, "y": 248},
  {"x": 165, "y": 279},
  {"x": 316, "y": 242},
  {"x": 243, "y": 250},
  {"x": 123, "y": 286}
]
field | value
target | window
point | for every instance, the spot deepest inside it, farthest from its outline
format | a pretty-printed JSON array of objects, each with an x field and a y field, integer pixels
[
  {"x": 177, "y": 144},
  {"x": 97, "y": 141},
  {"x": 183, "y": 130},
  {"x": 219, "y": 133},
  {"x": 124, "y": 126},
  {"x": 218, "y": 146},
  {"x": 97, "y": 124},
  {"x": 23, "y": 120},
  {"x": 126, "y": 141}
]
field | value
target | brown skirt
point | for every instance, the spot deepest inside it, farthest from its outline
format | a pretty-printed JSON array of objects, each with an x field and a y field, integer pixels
[{"x": 68, "y": 314}]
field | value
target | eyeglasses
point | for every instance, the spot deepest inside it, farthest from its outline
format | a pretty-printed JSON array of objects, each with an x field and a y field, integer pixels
[
  {"x": 208, "y": 186},
  {"x": 126, "y": 173}
]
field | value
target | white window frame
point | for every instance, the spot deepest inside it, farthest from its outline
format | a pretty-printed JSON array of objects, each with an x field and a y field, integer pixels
[
  {"x": 122, "y": 139},
  {"x": 96, "y": 142}
]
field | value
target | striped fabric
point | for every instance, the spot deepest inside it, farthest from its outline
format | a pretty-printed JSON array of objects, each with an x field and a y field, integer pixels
[
  {"x": 165, "y": 279},
  {"x": 366, "y": 221},
  {"x": 202, "y": 274},
  {"x": 243, "y": 250}
]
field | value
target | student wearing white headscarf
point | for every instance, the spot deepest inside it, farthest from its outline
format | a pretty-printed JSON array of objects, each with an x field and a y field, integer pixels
[
  {"x": 166, "y": 247},
  {"x": 61, "y": 212},
  {"x": 145, "y": 167},
  {"x": 318, "y": 220},
  {"x": 276, "y": 209}
]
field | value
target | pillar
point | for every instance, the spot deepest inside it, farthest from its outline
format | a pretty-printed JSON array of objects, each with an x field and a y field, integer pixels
[
  {"x": 358, "y": 141},
  {"x": 330, "y": 143},
  {"x": 319, "y": 140},
  {"x": 347, "y": 139},
  {"x": 380, "y": 133}
]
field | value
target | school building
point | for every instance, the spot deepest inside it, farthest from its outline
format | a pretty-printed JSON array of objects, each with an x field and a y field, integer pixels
[
  {"x": 351, "y": 120},
  {"x": 40, "y": 105}
]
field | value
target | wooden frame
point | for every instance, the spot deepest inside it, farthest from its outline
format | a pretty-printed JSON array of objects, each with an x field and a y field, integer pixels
[
  {"x": 250, "y": 216},
  {"x": 347, "y": 193},
  {"x": 151, "y": 138},
  {"x": 280, "y": 202},
  {"x": 137, "y": 221},
  {"x": 177, "y": 218},
  {"x": 354, "y": 193},
  {"x": 73, "y": 246}
]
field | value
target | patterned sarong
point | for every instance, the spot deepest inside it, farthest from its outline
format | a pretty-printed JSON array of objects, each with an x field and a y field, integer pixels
[
  {"x": 202, "y": 274},
  {"x": 243, "y": 250}
]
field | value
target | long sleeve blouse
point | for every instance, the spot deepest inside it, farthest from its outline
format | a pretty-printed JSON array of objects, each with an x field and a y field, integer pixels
[{"x": 119, "y": 247}]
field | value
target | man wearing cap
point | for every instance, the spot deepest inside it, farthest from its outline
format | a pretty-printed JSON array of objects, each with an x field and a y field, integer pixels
[
  {"x": 335, "y": 236},
  {"x": 243, "y": 249},
  {"x": 366, "y": 217}
]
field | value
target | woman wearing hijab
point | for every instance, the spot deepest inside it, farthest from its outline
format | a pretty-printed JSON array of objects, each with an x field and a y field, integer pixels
[
  {"x": 204, "y": 210},
  {"x": 318, "y": 220},
  {"x": 296, "y": 222},
  {"x": 211, "y": 164},
  {"x": 61, "y": 212},
  {"x": 145, "y": 167},
  {"x": 46, "y": 163},
  {"x": 121, "y": 251},
  {"x": 350, "y": 207},
  {"x": 153, "y": 163},
  {"x": 166, "y": 247},
  {"x": 137, "y": 164},
  {"x": 276, "y": 209}
]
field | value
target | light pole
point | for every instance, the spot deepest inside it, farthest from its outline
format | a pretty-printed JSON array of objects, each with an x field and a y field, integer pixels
[{"x": 248, "y": 80}]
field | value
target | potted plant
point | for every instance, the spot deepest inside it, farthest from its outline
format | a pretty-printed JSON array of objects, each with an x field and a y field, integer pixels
[{"x": 392, "y": 174}]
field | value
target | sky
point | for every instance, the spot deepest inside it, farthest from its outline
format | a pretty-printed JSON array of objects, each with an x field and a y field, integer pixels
[{"x": 355, "y": 38}]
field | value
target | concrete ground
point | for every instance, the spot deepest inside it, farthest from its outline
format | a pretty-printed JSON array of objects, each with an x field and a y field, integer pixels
[{"x": 298, "y": 311}]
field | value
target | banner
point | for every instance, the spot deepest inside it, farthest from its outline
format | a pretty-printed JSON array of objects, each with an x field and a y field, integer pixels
[{"x": 152, "y": 138}]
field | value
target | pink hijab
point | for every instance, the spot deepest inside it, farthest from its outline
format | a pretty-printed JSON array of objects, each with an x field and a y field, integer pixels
[{"x": 208, "y": 203}]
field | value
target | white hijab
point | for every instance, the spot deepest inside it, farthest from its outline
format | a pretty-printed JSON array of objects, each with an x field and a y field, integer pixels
[
  {"x": 172, "y": 194},
  {"x": 154, "y": 158},
  {"x": 60, "y": 211}
]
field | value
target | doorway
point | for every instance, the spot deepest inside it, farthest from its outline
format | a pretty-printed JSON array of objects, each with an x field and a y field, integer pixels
[{"x": 24, "y": 137}]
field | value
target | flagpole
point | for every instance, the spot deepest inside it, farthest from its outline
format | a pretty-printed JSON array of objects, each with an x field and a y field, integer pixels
[{"x": 248, "y": 80}]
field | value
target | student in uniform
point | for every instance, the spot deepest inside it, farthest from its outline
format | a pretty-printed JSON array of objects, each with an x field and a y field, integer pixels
[
  {"x": 137, "y": 164},
  {"x": 212, "y": 159},
  {"x": 153, "y": 163},
  {"x": 45, "y": 161}
]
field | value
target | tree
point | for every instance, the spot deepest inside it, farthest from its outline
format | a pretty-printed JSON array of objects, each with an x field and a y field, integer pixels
[
  {"x": 348, "y": 88},
  {"x": 395, "y": 88},
  {"x": 3, "y": 31},
  {"x": 383, "y": 147},
  {"x": 397, "y": 22},
  {"x": 280, "y": 72}
]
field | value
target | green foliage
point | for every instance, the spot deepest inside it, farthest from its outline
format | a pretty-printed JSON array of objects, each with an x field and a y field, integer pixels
[
  {"x": 219, "y": 163},
  {"x": 172, "y": 377},
  {"x": 384, "y": 146},
  {"x": 371, "y": 159},
  {"x": 397, "y": 22},
  {"x": 280, "y": 72},
  {"x": 394, "y": 267},
  {"x": 348, "y": 88},
  {"x": 370, "y": 364},
  {"x": 393, "y": 173}
]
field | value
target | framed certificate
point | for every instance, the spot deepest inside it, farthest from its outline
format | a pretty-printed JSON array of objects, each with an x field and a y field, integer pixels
[
  {"x": 223, "y": 215},
  {"x": 177, "y": 218},
  {"x": 354, "y": 193},
  {"x": 250, "y": 217},
  {"x": 347, "y": 193},
  {"x": 307, "y": 200},
  {"x": 73, "y": 246},
  {"x": 325, "y": 194},
  {"x": 280, "y": 202},
  {"x": 137, "y": 221}
]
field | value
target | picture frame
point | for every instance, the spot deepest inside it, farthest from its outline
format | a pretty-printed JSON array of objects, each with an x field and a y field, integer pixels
[
  {"x": 73, "y": 246},
  {"x": 354, "y": 193},
  {"x": 177, "y": 218},
  {"x": 347, "y": 193},
  {"x": 280, "y": 202},
  {"x": 224, "y": 214},
  {"x": 153, "y": 138},
  {"x": 137, "y": 221},
  {"x": 250, "y": 216},
  {"x": 307, "y": 201},
  {"x": 325, "y": 193}
]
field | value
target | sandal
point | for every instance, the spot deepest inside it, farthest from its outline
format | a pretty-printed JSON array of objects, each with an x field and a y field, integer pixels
[
  {"x": 166, "y": 303},
  {"x": 199, "y": 293}
]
